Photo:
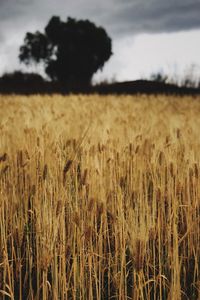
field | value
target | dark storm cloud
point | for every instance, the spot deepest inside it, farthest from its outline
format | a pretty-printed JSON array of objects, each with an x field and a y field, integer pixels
[
  {"x": 20, "y": 16},
  {"x": 118, "y": 16},
  {"x": 121, "y": 18},
  {"x": 157, "y": 15}
]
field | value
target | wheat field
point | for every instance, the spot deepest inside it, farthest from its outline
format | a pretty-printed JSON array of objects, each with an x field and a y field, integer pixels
[{"x": 99, "y": 197}]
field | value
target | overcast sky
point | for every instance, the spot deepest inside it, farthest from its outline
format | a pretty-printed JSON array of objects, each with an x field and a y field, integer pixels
[{"x": 148, "y": 35}]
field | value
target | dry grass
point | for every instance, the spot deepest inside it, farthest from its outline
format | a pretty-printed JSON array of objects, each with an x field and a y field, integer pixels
[{"x": 99, "y": 197}]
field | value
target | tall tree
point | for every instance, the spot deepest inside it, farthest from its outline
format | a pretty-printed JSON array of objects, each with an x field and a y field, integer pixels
[{"x": 71, "y": 51}]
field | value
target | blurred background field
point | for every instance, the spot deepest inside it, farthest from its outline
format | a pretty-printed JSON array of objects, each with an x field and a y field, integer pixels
[{"x": 99, "y": 197}]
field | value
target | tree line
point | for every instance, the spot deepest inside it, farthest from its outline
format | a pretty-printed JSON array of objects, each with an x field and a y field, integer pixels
[{"x": 70, "y": 52}]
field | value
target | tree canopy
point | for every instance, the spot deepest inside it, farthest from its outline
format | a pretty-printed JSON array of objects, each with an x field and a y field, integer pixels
[{"x": 71, "y": 51}]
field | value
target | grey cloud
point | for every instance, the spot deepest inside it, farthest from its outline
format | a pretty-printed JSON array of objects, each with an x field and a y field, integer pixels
[
  {"x": 119, "y": 17},
  {"x": 155, "y": 16}
]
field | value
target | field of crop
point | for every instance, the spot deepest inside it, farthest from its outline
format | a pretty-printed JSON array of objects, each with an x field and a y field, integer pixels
[{"x": 99, "y": 197}]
